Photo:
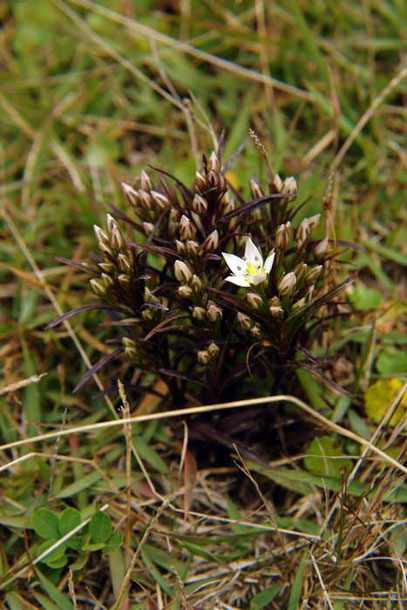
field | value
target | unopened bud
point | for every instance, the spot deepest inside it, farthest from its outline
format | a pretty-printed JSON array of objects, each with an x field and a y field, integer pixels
[
  {"x": 131, "y": 194},
  {"x": 124, "y": 262},
  {"x": 284, "y": 235},
  {"x": 102, "y": 238},
  {"x": 200, "y": 181},
  {"x": 148, "y": 227},
  {"x": 106, "y": 267},
  {"x": 145, "y": 199},
  {"x": 300, "y": 271},
  {"x": 313, "y": 273},
  {"x": 145, "y": 181},
  {"x": 302, "y": 232},
  {"x": 147, "y": 314},
  {"x": 198, "y": 313},
  {"x": 199, "y": 205},
  {"x": 256, "y": 332},
  {"x": 275, "y": 308},
  {"x": 254, "y": 300},
  {"x": 203, "y": 356},
  {"x": 243, "y": 321},
  {"x": 97, "y": 287},
  {"x": 116, "y": 239},
  {"x": 196, "y": 283},
  {"x": 185, "y": 291},
  {"x": 214, "y": 163},
  {"x": 129, "y": 348},
  {"x": 180, "y": 246},
  {"x": 313, "y": 221},
  {"x": 216, "y": 181},
  {"x": 182, "y": 272},
  {"x": 187, "y": 229},
  {"x": 211, "y": 242},
  {"x": 256, "y": 190},
  {"x": 160, "y": 200},
  {"x": 107, "y": 280},
  {"x": 278, "y": 183},
  {"x": 299, "y": 304},
  {"x": 290, "y": 186},
  {"x": 321, "y": 249},
  {"x": 193, "y": 248},
  {"x": 228, "y": 205},
  {"x": 213, "y": 350},
  {"x": 213, "y": 312},
  {"x": 287, "y": 284},
  {"x": 124, "y": 280}
]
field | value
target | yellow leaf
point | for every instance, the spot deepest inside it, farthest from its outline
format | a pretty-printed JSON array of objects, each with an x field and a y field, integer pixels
[{"x": 379, "y": 398}]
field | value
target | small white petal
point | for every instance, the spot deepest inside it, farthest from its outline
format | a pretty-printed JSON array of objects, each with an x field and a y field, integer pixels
[
  {"x": 239, "y": 280},
  {"x": 252, "y": 254},
  {"x": 235, "y": 264},
  {"x": 258, "y": 279},
  {"x": 269, "y": 262}
]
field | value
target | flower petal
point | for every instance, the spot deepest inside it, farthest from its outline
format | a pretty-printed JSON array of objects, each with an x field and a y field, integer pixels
[
  {"x": 235, "y": 264},
  {"x": 258, "y": 279},
  {"x": 239, "y": 280},
  {"x": 269, "y": 262},
  {"x": 252, "y": 254}
]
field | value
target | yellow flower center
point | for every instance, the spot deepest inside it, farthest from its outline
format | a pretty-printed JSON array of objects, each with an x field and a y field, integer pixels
[{"x": 251, "y": 269}]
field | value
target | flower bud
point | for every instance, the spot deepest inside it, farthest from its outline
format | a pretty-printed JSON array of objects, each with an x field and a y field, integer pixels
[
  {"x": 185, "y": 291},
  {"x": 284, "y": 235},
  {"x": 198, "y": 313},
  {"x": 213, "y": 163},
  {"x": 213, "y": 350},
  {"x": 97, "y": 287},
  {"x": 313, "y": 274},
  {"x": 278, "y": 183},
  {"x": 256, "y": 331},
  {"x": 180, "y": 246},
  {"x": 124, "y": 280},
  {"x": 160, "y": 200},
  {"x": 299, "y": 304},
  {"x": 216, "y": 181},
  {"x": 275, "y": 308},
  {"x": 254, "y": 300},
  {"x": 321, "y": 249},
  {"x": 101, "y": 235},
  {"x": 131, "y": 194},
  {"x": 213, "y": 312},
  {"x": 200, "y": 181},
  {"x": 147, "y": 314},
  {"x": 124, "y": 262},
  {"x": 145, "y": 199},
  {"x": 300, "y": 271},
  {"x": 243, "y": 321},
  {"x": 107, "y": 280},
  {"x": 129, "y": 348},
  {"x": 107, "y": 267},
  {"x": 196, "y": 283},
  {"x": 199, "y": 205},
  {"x": 182, "y": 272},
  {"x": 148, "y": 227},
  {"x": 203, "y": 356},
  {"x": 286, "y": 285},
  {"x": 116, "y": 238},
  {"x": 302, "y": 232},
  {"x": 256, "y": 190},
  {"x": 193, "y": 248},
  {"x": 145, "y": 181},
  {"x": 186, "y": 228},
  {"x": 228, "y": 205},
  {"x": 290, "y": 186},
  {"x": 313, "y": 221},
  {"x": 211, "y": 242}
]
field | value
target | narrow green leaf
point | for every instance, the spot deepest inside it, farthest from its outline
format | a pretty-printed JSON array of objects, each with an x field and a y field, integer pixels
[
  {"x": 79, "y": 485},
  {"x": 55, "y": 594},
  {"x": 295, "y": 594},
  {"x": 260, "y": 600}
]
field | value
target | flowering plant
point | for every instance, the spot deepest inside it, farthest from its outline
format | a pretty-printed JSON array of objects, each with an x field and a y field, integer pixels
[{"x": 162, "y": 275}]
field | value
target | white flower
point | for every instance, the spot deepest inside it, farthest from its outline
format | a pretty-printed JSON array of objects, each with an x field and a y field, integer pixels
[{"x": 248, "y": 270}]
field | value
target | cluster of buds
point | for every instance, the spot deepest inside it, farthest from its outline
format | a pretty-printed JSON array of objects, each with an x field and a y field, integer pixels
[
  {"x": 117, "y": 267},
  {"x": 181, "y": 297}
]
